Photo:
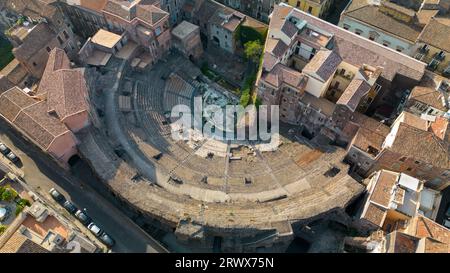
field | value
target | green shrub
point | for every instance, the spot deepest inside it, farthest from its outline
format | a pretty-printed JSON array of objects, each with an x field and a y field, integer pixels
[
  {"x": 24, "y": 202},
  {"x": 245, "y": 97},
  {"x": 19, "y": 209},
  {"x": 204, "y": 67},
  {"x": 7, "y": 195},
  {"x": 258, "y": 102},
  {"x": 248, "y": 34},
  {"x": 3, "y": 228}
]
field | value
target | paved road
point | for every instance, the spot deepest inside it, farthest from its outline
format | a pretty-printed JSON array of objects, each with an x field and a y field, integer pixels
[{"x": 42, "y": 174}]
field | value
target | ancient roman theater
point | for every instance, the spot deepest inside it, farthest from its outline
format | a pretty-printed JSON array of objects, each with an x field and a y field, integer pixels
[{"x": 232, "y": 195}]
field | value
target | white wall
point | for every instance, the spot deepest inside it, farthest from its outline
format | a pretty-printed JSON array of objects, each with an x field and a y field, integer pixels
[{"x": 314, "y": 87}]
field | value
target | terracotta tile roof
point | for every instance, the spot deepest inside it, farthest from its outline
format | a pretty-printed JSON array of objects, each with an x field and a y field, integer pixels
[
  {"x": 18, "y": 243},
  {"x": 371, "y": 15},
  {"x": 421, "y": 145},
  {"x": 434, "y": 34},
  {"x": 5, "y": 84},
  {"x": 433, "y": 246},
  {"x": 119, "y": 8},
  {"x": 289, "y": 29},
  {"x": 424, "y": 16},
  {"x": 353, "y": 94},
  {"x": 33, "y": 8},
  {"x": 13, "y": 101},
  {"x": 14, "y": 71},
  {"x": 414, "y": 121},
  {"x": 40, "y": 126},
  {"x": 282, "y": 74},
  {"x": 96, "y": 5},
  {"x": 150, "y": 14},
  {"x": 143, "y": 10},
  {"x": 68, "y": 95},
  {"x": 65, "y": 88},
  {"x": 323, "y": 64},
  {"x": 39, "y": 37},
  {"x": 440, "y": 127},
  {"x": 384, "y": 188},
  {"x": 423, "y": 227},
  {"x": 371, "y": 133},
  {"x": 269, "y": 61},
  {"x": 375, "y": 214},
  {"x": 226, "y": 18},
  {"x": 106, "y": 38},
  {"x": 276, "y": 47},
  {"x": 403, "y": 243},
  {"x": 206, "y": 10},
  {"x": 56, "y": 60},
  {"x": 428, "y": 96},
  {"x": 325, "y": 106}
]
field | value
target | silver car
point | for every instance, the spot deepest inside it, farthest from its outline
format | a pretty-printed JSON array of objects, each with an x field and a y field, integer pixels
[{"x": 95, "y": 229}]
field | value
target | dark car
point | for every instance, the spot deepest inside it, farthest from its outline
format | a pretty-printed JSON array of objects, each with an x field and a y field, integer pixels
[
  {"x": 70, "y": 207},
  {"x": 83, "y": 217},
  {"x": 13, "y": 157},
  {"x": 4, "y": 149},
  {"x": 107, "y": 240},
  {"x": 57, "y": 196}
]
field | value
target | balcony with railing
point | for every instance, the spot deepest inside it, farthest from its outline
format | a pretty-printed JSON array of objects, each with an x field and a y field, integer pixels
[{"x": 422, "y": 52}]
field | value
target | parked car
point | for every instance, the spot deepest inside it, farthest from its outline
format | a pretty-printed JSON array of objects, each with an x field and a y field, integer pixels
[
  {"x": 4, "y": 149},
  {"x": 83, "y": 217},
  {"x": 107, "y": 240},
  {"x": 4, "y": 213},
  {"x": 57, "y": 196},
  {"x": 95, "y": 229},
  {"x": 13, "y": 157},
  {"x": 70, "y": 207}
]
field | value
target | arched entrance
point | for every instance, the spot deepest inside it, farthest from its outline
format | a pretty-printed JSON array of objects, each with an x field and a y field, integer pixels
[{"x": 73, "y": 160}]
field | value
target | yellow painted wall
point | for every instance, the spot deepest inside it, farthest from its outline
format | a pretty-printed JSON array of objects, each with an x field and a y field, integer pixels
[
  {"x": 443, "y": 64},
  {"x": 316, "y": 9}
]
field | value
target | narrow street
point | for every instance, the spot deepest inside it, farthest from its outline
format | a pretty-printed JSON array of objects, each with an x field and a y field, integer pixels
[{"x": 41, "y": 173}]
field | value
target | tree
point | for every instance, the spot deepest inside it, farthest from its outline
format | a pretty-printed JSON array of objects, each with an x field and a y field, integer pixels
[
  {"x": 253, "y": 50},
  {"x": 7, "y": 195}
]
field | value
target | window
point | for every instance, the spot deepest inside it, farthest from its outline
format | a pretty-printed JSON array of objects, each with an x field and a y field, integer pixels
[
  {"x": 309, "y": 10},
  {"x": 298, "y": 4},
  {"x": 399, "y": 49},
  {"x": 373, "y": 35},
  {"x": 409, "y": 169},
  {"x": 402, "y": 159},
  {"x": 345, "y": 26},
  {"x": 158, "y": 31},
  {"x": 386, "y": 43},
  {"x": 48, "y": 49},
  {"x": 66, "y": 35},
  {"x": 417, "y": 162},
  {"x": 34, "y": 64},
  {"x": 358, "y": 31},
  {"x": 60, "y": 40}
]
